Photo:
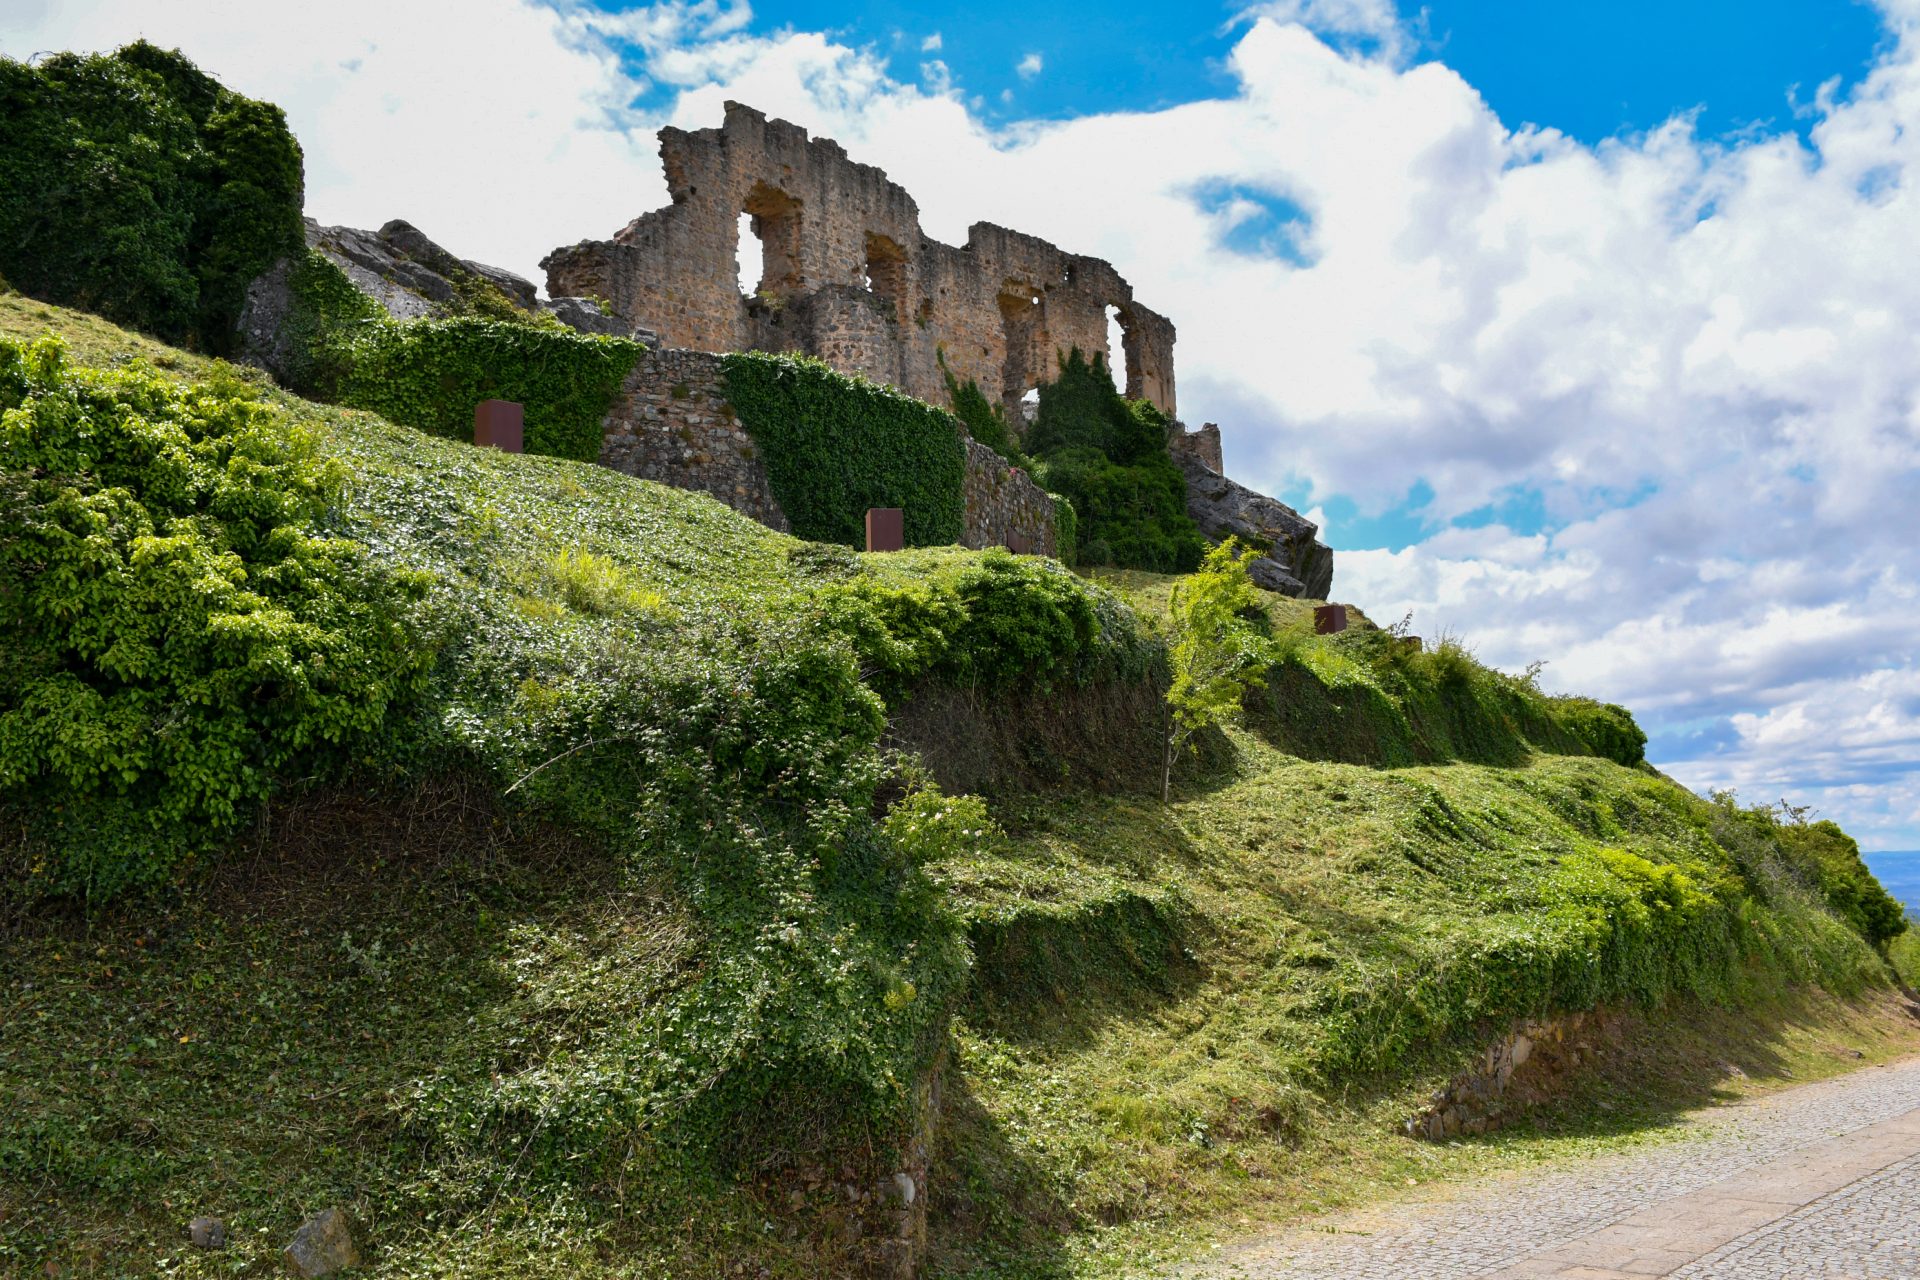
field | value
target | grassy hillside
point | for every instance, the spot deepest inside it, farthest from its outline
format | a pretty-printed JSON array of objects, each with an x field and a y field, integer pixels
[{"x": 619, "y": 942}]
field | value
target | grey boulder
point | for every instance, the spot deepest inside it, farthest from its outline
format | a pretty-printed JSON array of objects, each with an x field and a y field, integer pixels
[
  {"x": 1294, "y": 562},
  {"x": 322, "y": 1246}
]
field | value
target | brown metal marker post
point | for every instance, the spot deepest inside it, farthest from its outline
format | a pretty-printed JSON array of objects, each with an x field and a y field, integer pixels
[
  {"x": 500, "y": 424},
  {"x": 886, "y": 529}
]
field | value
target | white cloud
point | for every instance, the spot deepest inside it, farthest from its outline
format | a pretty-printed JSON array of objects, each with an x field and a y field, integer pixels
[
  {"x": 931, "y": 44},
  {"x": 1030, "y": 66},
  {"x": 1699, "y": 355}
]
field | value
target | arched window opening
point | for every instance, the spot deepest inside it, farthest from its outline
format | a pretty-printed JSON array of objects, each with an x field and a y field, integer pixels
[{"x": 886, "y": 273}]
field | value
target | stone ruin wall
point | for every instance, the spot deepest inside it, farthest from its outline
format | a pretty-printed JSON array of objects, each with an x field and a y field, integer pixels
[
  {"x": 849, "y": 276},
  {"x": 672, "y": 423}
]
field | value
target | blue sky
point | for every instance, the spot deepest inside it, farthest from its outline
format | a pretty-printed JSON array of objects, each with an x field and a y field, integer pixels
[
  {"x": 1586, "y": 330},
  {"x": 1589, "y": 69}
]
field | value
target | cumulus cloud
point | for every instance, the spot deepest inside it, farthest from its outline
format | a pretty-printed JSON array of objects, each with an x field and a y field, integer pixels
[
  {"x": 1664, "y": 392},
  {"x": 1030, "y": 66},
  {"x": 931, "y": 44}
]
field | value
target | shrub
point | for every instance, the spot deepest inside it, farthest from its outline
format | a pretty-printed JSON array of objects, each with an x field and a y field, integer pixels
[
  {"x": 1217, "y": 653},
  {"x": 835, "y": 446},
  {"x": 1832, "y": 859},
  {"x": 992, "y": 620},
  {"x": 180, "y": 634},
  {"x": 134, "y": 185},
  {"x": 984, "y": 420},
  {"x": 1108, "y": 456}
]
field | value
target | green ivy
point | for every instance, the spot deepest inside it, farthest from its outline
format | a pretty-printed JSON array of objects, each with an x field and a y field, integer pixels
[
  {"x": 180, "y": 632},
  {"x": 835, "y": 446},
  {"x": 429, "y": 373},
  {"x": 136, "y": 186},
  {"x": 1108, "y": 456},
  {"x": 984, "y": 420}
]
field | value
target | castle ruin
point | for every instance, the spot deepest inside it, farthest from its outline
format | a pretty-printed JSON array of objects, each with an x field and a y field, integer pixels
[{"x": 849, "y": 276}]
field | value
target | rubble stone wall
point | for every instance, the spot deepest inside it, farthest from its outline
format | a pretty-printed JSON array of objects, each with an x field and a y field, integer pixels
[
  {"x": 671, "y": 422},
  {"x": 1005, "y": 508},
  {"x": 849, "y": 275}
]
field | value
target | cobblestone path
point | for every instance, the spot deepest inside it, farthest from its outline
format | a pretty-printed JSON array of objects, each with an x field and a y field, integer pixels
[{"x": 1819, "y": 1181}]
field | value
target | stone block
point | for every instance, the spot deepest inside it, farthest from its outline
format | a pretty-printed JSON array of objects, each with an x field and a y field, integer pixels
[
  {"x": 500, "y": 424},
  {"x": 886, "y": 529}
]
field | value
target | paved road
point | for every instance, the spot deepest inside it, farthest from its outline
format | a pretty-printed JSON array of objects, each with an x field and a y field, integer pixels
[{"x": 1819, "y": 1181}]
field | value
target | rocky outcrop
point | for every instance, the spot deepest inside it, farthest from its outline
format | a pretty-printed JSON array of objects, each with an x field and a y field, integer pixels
[{"x": 1294, "y": 561}]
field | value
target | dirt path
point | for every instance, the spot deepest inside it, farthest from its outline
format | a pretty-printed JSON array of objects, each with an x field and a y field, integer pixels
[{"x": 1818, "y": 1181}]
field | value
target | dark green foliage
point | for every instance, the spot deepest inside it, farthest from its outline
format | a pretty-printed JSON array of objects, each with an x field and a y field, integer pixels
[
  {"x": 1107, "y": 455},
  {"x": 835, "y": 446},
  {"x": 180, "y": 635},
  {"x": 1833, "y": 860},
  {"x": 984, "y": 420},
  {"x": 430, "y": 373},
  {"x": 133, "y": 185}
]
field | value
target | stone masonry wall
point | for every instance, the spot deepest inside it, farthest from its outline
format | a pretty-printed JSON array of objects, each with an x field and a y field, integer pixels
[
  {"x": 1531, "y": 1063},
  {"x": 671, "y": 422},
  {"x": 1005, "y": 508},
  {"x": 849, "y": 275}
]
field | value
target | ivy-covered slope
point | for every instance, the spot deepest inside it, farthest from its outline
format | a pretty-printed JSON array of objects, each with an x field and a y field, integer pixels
[
  {"x": 614, "y": 937},
  {"x": 217, "y": 578}
]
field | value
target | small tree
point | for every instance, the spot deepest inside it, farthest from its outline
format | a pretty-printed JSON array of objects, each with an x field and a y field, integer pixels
[{"x": 1217, "y": 653}]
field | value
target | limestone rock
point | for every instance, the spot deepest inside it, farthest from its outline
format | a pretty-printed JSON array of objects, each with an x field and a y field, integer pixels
[
  {"x": 407, "y": 273},
  {"x": 322, "y": 1246},
  {"x": 585, "y": 315},
  {"x": 1297, "y": 562},
  {"x": 207, "y": 1233}
]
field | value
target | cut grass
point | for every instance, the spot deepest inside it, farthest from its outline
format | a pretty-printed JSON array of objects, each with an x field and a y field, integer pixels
[{"x": 1223, "y": 1009}]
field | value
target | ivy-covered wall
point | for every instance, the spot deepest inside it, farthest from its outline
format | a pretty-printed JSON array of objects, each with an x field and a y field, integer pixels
[
  {"x": 136, "y": 186},
  {"x": 429, "y": 373},
  {"x": 835, "y": 446}
]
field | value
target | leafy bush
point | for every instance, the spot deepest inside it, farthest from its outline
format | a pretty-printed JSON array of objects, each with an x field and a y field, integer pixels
[
  {"x": 836, "y": 446},
  {"x": 1832, "y": 859},
  {"x": 1108, "y": 456},
  {"x": 1218, "y": 653},
  {"x": 984, "y": 420},
  {"x": 992, "y": 620},
  {"x": 134, "y": 185},
  {"x": 180, "y": 635}
]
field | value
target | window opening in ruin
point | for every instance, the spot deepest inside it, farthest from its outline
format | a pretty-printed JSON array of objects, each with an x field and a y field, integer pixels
[
  {"x": 771, "y": 217},
  {"x": 1124, "y": 353},
  {"x": 748, "y": 258},
  {"x": 886, "y": 273},
  {"x": 1021, "y": 323}
]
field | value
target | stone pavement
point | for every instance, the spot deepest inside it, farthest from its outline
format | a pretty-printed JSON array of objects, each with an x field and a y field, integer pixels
[{"x": 1818, "y": 1181}]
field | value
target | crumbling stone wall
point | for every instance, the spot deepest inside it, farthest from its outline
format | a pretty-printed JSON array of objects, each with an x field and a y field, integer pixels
[
  {"x": 672, "y": 423},
  {"x": 1202, "y": 445},
  {"x": 848, "y": 275},
  {"x": 1005, "y": 508}
]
